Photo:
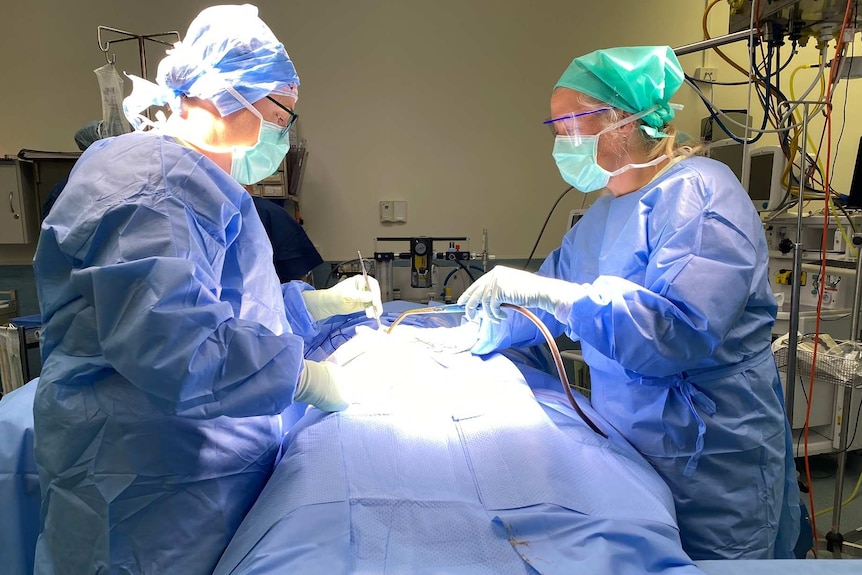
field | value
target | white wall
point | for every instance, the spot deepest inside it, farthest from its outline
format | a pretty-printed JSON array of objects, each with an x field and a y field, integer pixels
[{"x": 439, "y": 103}]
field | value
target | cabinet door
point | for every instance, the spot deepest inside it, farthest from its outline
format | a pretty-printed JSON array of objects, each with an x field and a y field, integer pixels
[{"x": 12, "y": 230}]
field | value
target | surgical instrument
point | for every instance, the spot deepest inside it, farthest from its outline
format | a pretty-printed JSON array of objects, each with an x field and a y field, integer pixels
[{"x": 368, "y": 287}]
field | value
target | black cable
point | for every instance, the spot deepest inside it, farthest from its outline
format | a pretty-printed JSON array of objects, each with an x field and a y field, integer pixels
[
  {"x": 463, "y": 267},
  {"x": 772, "y": 90},
  {"x": 847, "y": 215},
  {"x": 823, "y": 466},
  {"x": 765, "y": 100},
  {"x": 805, "y": 394},
  {"x": 713, "y": 113},
  {"x": 331, "y": 275},
  {"x": 717, "y": 83},
  {"x": 545, "y": 225},
  {"x": 856, "y": 428},
  {"x": 843, "y": 116},
  {"x": 777, "y": 74},
  {"x": 337, "y": 332},
  {"x": 745, "y": 82},
  {"x": 779, "y": 68},
  {"x": 794, "y": 179},
  {"x": 335, "y": 269},
  {"x": 793, "y": 52}
]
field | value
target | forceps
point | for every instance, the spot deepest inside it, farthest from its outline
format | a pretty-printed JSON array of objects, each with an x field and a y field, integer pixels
[{"x": 375, "y": 315}]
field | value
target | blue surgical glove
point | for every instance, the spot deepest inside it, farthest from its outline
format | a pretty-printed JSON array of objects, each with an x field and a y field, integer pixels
[
  {"x": 491, "y": 334},
  {"x": 348, "y": 296},
  {"x": 508, "y": 285},
  {"x": 321, "y": 384}
]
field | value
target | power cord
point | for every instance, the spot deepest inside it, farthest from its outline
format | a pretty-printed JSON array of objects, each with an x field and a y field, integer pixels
[{"x": 545, "y": 225}]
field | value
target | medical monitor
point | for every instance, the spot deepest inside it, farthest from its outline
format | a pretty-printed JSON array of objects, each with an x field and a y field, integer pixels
[
  {"x": 766, "y": 166},
  {"x": 728, "y": 152}
]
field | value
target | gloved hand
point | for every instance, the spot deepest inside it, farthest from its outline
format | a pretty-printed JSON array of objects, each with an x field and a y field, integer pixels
[
  {"x": 507, "y": 285},
  {"x": 321, "y": 384},
  {"x": 491, "y": 335},
  {"x": 348, "y": 296}
]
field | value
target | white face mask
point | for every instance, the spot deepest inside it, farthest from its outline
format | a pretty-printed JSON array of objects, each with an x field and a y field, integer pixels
[{"x": 576, "y": 158}]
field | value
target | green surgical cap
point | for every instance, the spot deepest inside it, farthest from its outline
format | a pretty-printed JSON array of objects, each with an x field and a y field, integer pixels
[{"x": 631, "y": 79}]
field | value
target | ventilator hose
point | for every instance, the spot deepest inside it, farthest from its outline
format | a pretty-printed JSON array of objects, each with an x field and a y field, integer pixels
[
  {"x": 555, "y": 351},
  {"x": 416, "y": 311}
]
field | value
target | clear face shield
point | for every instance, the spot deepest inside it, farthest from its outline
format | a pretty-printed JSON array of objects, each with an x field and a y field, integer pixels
[
  {"x": 570, "y": 122},
  {"x": 576, "y": 153}
]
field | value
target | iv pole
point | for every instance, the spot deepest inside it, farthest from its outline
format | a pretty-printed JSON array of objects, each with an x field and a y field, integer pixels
[
  {"x": 835, "y": 540},
  {"x": 142, "y": 44}
]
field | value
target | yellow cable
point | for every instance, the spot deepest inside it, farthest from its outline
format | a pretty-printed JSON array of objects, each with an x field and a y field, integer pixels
[
  {"x": 840, "y": 226},
  {"x": 792, "y": 144},
  {"x": 796, "y": 119},
  {"x": 706, "y": 36},
  {"x": 846, "y": 501}
]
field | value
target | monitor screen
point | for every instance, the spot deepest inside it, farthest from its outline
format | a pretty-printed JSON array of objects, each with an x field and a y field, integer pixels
[
  {"x": 855, "y": 196},
  {"x": 760, "y": 177},
  {"x": 574, "y": 216},
  {"x": 765, "y": 167},
  {"x": 729, "y": 153}
]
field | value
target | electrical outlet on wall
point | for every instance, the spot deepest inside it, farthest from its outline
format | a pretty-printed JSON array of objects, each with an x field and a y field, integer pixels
[
  {"x": 387, "y": 211},
  {"x": 706, "y": 74},
  {"x": 400, "y": 212}
]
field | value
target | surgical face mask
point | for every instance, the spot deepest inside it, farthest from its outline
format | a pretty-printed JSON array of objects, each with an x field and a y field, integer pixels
[
  {"x": 251, "y": 165},
  {"x": 576, "y": 157}
]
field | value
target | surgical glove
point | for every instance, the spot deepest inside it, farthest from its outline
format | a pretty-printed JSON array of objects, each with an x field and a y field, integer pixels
[
  {"x": 348, "y": 296},
  {"x": 321, "y": 384},
  {"x": 507, "y": 285},
  {"x": 492, "y": 335}
]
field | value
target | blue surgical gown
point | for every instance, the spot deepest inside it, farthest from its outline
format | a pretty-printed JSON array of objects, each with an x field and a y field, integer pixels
[
  {"x": 19, "y": 482},
  {"x": 167, "y": 359},
  {"x": 674, "y": 315}
]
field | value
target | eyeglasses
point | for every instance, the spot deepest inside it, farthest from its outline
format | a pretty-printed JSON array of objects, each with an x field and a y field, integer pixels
[
  {"x": 571, "y": 121},
  {"x": 293, "y": 116}
]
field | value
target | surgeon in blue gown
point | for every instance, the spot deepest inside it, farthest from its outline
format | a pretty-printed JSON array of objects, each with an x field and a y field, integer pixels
[
  {"x": 664, "y": 282},
  {"x": 169, "y": 347}
]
